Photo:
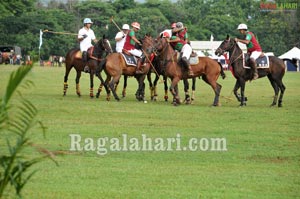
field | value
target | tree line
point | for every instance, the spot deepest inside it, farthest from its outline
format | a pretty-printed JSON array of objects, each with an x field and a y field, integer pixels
[{"x": 21, "y": 21}]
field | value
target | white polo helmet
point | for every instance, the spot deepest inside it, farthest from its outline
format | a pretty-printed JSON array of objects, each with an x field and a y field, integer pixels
[
  {"x": 87, "y": 20},
  {"x": 125, "y": 27},
  {"x": 179, "y": 25},
  {"x": 242, "y": 26}
]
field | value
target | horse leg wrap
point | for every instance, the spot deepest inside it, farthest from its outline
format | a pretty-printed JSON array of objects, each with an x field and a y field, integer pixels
[
  {"x": 193, "y": 95},
  {"x": 65, "y": 87},
  {"x": 91, "y": 92},
  {"x": 166, "y": 97},
  {"x": 152, "y": 92}
]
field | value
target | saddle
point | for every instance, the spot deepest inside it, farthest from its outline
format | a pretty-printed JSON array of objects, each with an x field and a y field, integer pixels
[
  {"x": 261, "y": 62},
  {"x": 193, "y": 58},
  {"x": 130, "y": 59},
  {"x": 89, "y": 51}
]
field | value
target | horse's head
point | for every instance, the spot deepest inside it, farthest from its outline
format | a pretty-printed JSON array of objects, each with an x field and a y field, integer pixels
[
  {"x": 226, "y": 45},
  {"x": 160, "y": 44},
  {"x": 104, "y": 44},
  {"x": 147, "y": 44}
]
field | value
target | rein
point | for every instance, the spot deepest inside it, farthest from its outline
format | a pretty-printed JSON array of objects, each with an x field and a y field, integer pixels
[
  {"x": 234, "y": 60},
  {"x": 150, "y": 60},
  {"x": 100, "y": 53},
  {"x": 164, "y": 53}
]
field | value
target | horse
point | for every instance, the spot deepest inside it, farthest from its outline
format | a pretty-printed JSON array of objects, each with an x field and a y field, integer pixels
[
  {"x": 115, "y": 66},
  {"x": 74, "y": 59},
  {"x": 206, "y": 67},
  {"x": 275, "y": 72},
  {"x": 153, "y": 85},
  {"x": 157, "y": 70},
  {"x": 5, "y": 58}
]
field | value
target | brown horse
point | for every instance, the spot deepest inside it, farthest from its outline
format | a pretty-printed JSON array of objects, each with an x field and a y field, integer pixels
[
  {"x": 158, "y": 70},
  {"x": 4, "y": 58},
  {"x": 74, "y": 59},
  {"x": 275, "y": 72},
  {"x": 115, "y": 66},
  {"x": 206, "y": 67}
]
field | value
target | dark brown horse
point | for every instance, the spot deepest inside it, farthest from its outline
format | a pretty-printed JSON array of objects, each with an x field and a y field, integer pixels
[
  {"x": 206, "y": 67},
  {"x": 159, "y": 71},
  {"x": 115, "y": 66},
  {"x": 74, "y": 59},
  {"x": 275, "y": 72}
]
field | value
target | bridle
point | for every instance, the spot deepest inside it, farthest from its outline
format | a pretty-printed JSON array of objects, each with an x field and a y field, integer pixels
[
  {"x": 102, "y": 47},
  {"x": 107, "y": 49},
  {"x": 164, "y": 52},
  {"x": 233, "y": 49}
]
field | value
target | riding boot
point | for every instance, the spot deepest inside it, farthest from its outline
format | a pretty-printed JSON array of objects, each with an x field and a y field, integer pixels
[
  {"x": 140, "y": 64},
  {"x": 252, "y": 64},
  {"x": 84, "y": 60},
  {"x": 186, "y": 65}
]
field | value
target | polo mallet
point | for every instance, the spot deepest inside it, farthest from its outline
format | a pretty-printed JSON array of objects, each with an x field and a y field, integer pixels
[
  {"x": 112, "y": 20},
  {"x": 63, "y": 33}
]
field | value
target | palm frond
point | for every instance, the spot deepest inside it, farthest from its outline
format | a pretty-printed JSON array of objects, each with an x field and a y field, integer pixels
[{"x": 15, "y": 165}]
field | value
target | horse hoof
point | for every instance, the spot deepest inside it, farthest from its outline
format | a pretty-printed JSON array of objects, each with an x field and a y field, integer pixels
[
  {"x": 97, "y": 95},
  {"x": 273, "y": 104},
  {"x": 188, "y": 101},
  {"x": 166, "y": 98},
  {"x": 92, "y": 97},
  {"x": 279, "y": 105}
]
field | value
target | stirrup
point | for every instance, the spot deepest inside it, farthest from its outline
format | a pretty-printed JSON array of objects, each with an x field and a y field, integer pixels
[
  {"x": 138, "y": 72},
  {"x": 255, "y": 76},
  {"x": 86, "y": 69}
]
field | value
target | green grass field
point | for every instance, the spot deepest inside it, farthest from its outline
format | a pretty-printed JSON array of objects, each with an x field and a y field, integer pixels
[{"x": 263, "y": 144}]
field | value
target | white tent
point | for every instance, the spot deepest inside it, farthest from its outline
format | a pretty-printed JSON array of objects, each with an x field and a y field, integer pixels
[{"x": 293, "y": 53}]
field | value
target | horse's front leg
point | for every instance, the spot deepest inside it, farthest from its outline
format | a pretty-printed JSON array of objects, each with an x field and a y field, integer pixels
[
  {"x": 124, "y": 86},
  {"x": 243, "y": 100},
  {"x": 186, "y": 90},
  {"x": 151, "y": 88},
  {"x": 173, "y": 88},
  {"x": 66, "y": 79},
  {"x": 140, "y": 93},
  {"x": 193, "y": 88},
  {"x": 101, "y": 85},
  {"x": 235, "y": 90},
  {"x": 166, "y": 97},
  {"x": 92, "y": 84},
  {"x": 78, "y": 75}
]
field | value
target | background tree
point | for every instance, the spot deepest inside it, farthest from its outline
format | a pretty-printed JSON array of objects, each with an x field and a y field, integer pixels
[{"x": 20, "y": 21}]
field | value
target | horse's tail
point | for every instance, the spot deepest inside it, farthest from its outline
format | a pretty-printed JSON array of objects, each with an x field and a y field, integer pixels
[{"x": 222, "y": 71}]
